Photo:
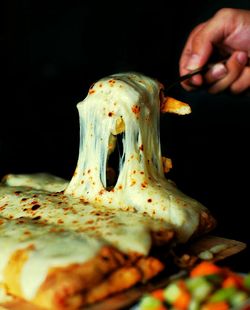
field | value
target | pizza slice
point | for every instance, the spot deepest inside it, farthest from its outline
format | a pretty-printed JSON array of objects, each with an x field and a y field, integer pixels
[{"x": 64, "y": 244}]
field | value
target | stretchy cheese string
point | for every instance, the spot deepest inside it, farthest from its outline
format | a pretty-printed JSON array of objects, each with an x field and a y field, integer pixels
[{"x": 132, "y": 99}]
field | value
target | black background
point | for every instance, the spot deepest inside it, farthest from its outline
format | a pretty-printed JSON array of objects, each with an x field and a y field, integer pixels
[{"x": 53, "y": 50}]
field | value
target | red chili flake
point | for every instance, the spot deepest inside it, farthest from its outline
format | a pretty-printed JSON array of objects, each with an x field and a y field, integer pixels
[
  {"x": 100, "y": 85},
  {"x": 60, "y": 221},
  {"x": 120, "y": 187},
  {"x": 17, "y": 193},
  {"x": 11, "y": 217},
  {"x": 27, "y": 232},
  {"x": 24, "y": 199},
  {"x": 110, "y": 114},
  {"x": 3, "y": 207},
  {"x": 1, "y": 222},
  {"x": 141, "y": 147},
  {"x": 149, "y": 200},
  {"x": 54, "y": 194},
  {"x": 111, "y": 82},
  {"x": 142, "y": 172},
  {"x": 35, "y": 207},
  {"x": 101, "y": 192},
  {"x": 136, "y": 109},
  {"x": 91, "y": 91},
  {"x": 144, "y": 184},
  {"x": 36, "y": 218},
  {"x": 90, "y": 222}
]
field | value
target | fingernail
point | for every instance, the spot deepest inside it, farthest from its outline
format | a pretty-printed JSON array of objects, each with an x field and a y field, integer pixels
[
  {"x": 218, "y": 71},
  {"x": 242, "y": 58},
  {"x": 193, "y": 62}
]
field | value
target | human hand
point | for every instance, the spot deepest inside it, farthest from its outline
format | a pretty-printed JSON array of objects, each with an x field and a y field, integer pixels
[{"x": 228, "y": 32}]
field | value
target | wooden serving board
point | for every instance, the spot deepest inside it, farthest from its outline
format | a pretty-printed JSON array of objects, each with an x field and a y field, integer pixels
[
  {"x": 209, "y": 241},
  {"x": 126, "y": 299}
]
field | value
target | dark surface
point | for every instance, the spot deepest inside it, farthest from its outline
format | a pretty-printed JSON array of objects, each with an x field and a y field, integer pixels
[{"x": 53, "y": 50}]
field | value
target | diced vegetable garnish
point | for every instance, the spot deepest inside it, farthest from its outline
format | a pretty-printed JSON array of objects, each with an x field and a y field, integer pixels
[
  {"x": 233, "y": 280},
  {"x": 158, "y": 294},
  {"x": 206, "y": 255},
  {"x": 204, "y": 269},
  {"x": 247, "y": 281},
  {"x": 199, "y": 287},
  {"x": 223, "y": 294},
  {"x": 194, "y": 305},
  {"x": 208, "y": 287},
  {"x": 172, "y": 292},
  {"x": 216, "y": 306},
  {"x": 183, "y": 300},
  {"x": 238, "y": 298},
  {"x": 150, "y": 303}
]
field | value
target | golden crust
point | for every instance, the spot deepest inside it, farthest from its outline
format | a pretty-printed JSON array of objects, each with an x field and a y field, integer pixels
[
  {"x": 64, "y": 287},
  {"x": 118, "y": 281},
  {"x": 12, "y": 271},
  {"x": 71, "y": 287}
]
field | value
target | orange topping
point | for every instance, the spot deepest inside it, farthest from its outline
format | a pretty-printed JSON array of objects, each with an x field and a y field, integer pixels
[
  {"x": 158, "y": 294},
  {"x": 136, "y": 110},
  {"x": 204, "y": 269}
]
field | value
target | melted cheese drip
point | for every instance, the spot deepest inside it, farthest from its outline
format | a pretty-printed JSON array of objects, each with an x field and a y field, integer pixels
[
  {"x": 134, "y": 99},
  {"x": 71, "y": 227}
]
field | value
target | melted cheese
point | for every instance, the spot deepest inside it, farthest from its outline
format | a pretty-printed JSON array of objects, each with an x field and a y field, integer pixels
[
  {"x": 71, "y": 227},
  {"x": 132, "y": 99},
  {"x": 64, "y": 230}
]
